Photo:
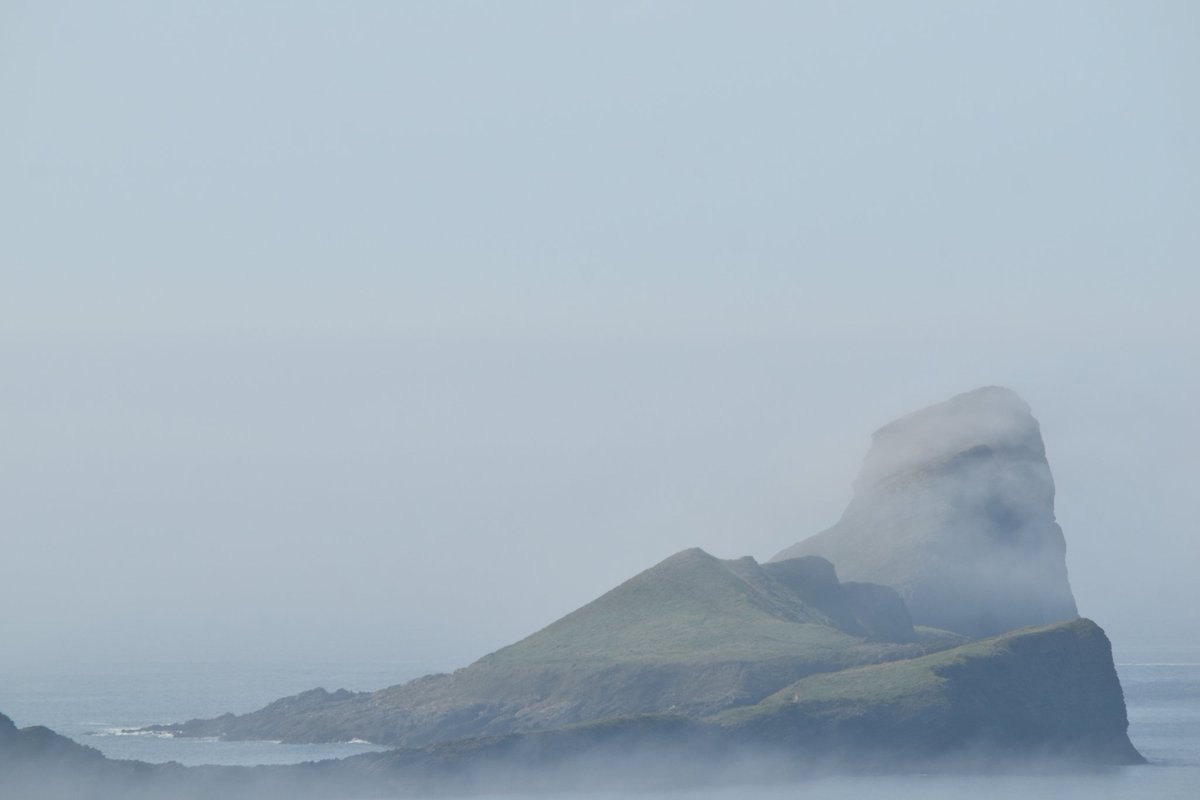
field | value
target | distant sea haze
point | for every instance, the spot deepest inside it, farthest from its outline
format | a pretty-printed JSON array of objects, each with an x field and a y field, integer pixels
[{"x": 90, "y": 702}]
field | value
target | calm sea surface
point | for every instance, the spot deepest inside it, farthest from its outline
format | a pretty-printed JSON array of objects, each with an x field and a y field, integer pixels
[{"x": 91, "y": 703}]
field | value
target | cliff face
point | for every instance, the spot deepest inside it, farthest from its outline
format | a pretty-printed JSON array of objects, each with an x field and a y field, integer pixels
[
  {"x": 954, "y": 508},
  {"x": 1038, "y": 693},
  {"x": 1051, "y": 691},
  {"x": 1043, "y": 693}
]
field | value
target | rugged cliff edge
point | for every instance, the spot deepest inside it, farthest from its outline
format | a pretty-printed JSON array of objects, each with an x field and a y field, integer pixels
[
  {"x": 1048, "y": 691},
  {"x": 954, "y": 508},
  {"x": 1049, "y": 694}
]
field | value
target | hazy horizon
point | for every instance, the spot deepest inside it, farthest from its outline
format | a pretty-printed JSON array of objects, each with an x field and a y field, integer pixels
[{"x": 354, "y": 332}]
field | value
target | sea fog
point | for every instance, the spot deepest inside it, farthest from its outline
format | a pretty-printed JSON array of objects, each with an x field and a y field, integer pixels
[
  {"x": 91, "y": 703},
  {"x": 327, "y": 328}
]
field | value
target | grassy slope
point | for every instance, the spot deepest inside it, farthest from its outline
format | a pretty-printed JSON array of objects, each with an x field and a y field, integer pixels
[
  {"x": 908, "y": 684},
  {"x": 692, "y": 635},
  {"x": 691, "y": 607},
  {"x": 1048, "y": 692},
  {"x": 1051, "y": 688}
]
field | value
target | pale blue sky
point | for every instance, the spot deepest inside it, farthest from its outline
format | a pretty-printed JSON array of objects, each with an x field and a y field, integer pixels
[{"x": 352, "y": 329}]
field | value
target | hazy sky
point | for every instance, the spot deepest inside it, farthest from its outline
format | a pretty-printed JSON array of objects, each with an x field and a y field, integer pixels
[{"x": 396, "y": 330}]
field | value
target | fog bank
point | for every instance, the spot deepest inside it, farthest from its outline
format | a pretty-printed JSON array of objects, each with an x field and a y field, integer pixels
[{"x": 354, "y": 333}]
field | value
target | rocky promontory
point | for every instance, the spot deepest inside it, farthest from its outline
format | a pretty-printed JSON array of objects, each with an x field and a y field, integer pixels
[{"x": 932, "y": 627}]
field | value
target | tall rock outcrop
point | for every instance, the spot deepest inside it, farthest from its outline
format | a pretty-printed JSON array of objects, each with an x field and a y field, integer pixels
[{"x": 954, "y": 508}]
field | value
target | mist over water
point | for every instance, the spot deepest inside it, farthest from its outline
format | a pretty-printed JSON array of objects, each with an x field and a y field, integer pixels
[
  {"x": 95, "y": 703},
  {"x": 328, "y": 321},
  {"x": 385, "y": 334},
  {"x": 1161, "y": 683}
]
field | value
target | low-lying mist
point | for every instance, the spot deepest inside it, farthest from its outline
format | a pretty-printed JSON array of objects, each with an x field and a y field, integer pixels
[{"x": 645, "y": 772}]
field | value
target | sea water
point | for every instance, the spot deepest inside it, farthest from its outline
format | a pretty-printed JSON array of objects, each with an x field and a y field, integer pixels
[
  {"x": 100, "y": 704},
  {"x": 95, "y": 704}
]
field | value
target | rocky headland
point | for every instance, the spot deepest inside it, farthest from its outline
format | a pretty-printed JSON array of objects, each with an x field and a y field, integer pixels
[
  {"x": 692, "y": 635},
  {"x": 932, "y": 627}
]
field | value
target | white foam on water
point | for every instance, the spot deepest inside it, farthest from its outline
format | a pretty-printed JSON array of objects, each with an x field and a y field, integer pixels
[{"x": 132, "y": 732}]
